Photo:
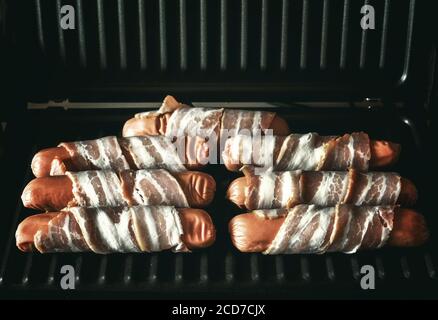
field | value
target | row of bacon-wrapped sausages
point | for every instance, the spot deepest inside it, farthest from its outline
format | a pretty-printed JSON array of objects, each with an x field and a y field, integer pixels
[{"x": 135, "y": 193}]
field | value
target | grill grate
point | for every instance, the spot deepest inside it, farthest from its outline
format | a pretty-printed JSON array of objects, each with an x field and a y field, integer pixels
[
  {"x": 305, "y": 48},
  {"x": 264, "y": 11},
  {"x": 219, "y": 270}
]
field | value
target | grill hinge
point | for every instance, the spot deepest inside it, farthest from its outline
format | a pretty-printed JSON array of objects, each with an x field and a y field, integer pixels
[{"x": 368, "y": 103}]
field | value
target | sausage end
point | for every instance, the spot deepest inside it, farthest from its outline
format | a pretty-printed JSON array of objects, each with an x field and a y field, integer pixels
[
  {"x": 199, "y": 230},
  {"x": 408, "y": 193},
  {"x": 236, "y": 192},
  {"x": 409, "y": 229},
  {"x": 384, "y": 153}
]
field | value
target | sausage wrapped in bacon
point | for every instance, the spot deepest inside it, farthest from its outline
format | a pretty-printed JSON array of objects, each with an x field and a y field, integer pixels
[
  {"x": 308, "y": 152},
  {"x": 100, "y": 188},
  {"x": 146, "y": 152},
  {"x": 175, "y": 119},
  {"x": 117, "y": 229},
  {"x": 284, "y": 189},
  {"x": 313, "y": 229}
]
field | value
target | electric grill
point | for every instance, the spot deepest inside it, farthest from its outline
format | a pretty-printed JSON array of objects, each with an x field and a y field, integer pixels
[{"x": 310, "y": 61}]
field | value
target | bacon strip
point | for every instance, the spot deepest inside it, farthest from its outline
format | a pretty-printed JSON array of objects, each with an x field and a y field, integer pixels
[
  {"x": 142, "y": 187},
  {"x": 271, "y": 190},
  {"x": 96, "y": 188},
  {"x": 251, "y": 150},
  {"x": 300, "y": 151},
  {"x": 103, "y": 153},
  {"x": 150, "y": 152},
  {"x": 344, "y": 228},
  {"x": 253, "y": 122},
  {"x": 107, "y": 230},
  {"x": 146, "y": 152},
  {"x": 207, "y": 122},
  {"x": 201, "y": 122}
]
